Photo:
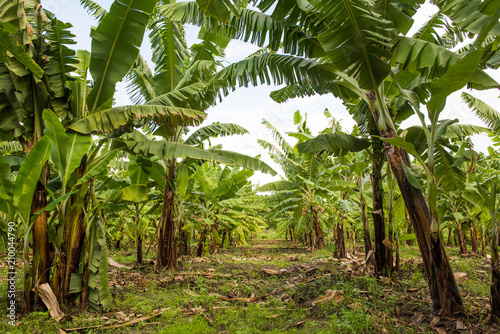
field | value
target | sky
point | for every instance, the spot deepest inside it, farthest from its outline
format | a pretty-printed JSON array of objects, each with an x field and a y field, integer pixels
[{"x": 249, "y": 106}]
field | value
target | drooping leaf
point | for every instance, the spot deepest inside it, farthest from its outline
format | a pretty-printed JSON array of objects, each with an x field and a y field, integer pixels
[
  {"x": 110, "y": 120},
  {"x": 136, "y": 174},
  {"x": 485, "y": 112},
  {"x": 456, "y": 77},
  {"x": 115, "y": 46},
  {"x": 5, "y": 180},
  {"x": 9, "y": 43},
  {"x": 251, "y": 26},
  {"x": 337, "y": 143},
  {"x": 412, "y": 177},
  {"x": 355, "y": 39},
  {"x": 450, "y": 177},
  {"x": 136, "y": 193},
  {"x": 67, "y": 149},
  {"x": 214, "y": 130},
  {"x": 28, "y": 176},
  {"x": 244, "y": 161},
  {"x": 173, "y": 150},
  {"x": 181, "y": 180},
  {"x": 279, "y": 186}
]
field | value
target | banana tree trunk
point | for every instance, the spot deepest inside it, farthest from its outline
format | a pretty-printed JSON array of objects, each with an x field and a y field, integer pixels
[
  {"x": 378, "y": 206},
  {"x": 366, "y": 231},
  {"x": 68, "y": 261},
  {"x": 41, "y": 259},
  {"x": 450, "y": 236},
  {"x": 200, "y": 250},
  {"x": 473, "y": 237},
  {"x": 442, "y": 285},
  {"x": 320, "y": 242},
  {"x": 184, "y": 237},
  {"x": 138, "y": 233},
  {"x": 408, "y": 229},
  {"x": 167, "y": 250},
  {"x": 495, "y": 273},
  {"x": 461, "y": 240},
  {"x": 340, "y": 251},
  {"x": 389, "y": 242},
  {"x": 213, "y": 244}
]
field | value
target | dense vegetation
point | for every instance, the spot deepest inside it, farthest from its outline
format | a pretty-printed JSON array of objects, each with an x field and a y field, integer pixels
[{"x": 80, "y": 176}]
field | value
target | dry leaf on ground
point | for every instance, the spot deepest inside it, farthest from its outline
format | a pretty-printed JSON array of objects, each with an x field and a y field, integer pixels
[
  {"x": 115, "y": 264},
  {"x": 50, "y": 300}
]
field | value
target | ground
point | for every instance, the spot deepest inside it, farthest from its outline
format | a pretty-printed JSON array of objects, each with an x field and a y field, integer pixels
[{"x": 273, "y": 286}]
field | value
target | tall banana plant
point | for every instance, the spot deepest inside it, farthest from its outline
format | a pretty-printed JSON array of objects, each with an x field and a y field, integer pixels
[
  {"x": 222, "y": 206},
  {"x": 306, "y": 182},
  {"x": 177, "y": 84},
  {"x": 35, "y": 77},
  {"x": 121, "y": 29}
]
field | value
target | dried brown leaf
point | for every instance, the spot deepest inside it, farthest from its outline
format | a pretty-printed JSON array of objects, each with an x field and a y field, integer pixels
[
  {"x": 460, "y": 325},
  {"x": 50, "y": 301},
  {"x": 115, "y": 264},
  {"x": 270, "y": 271}
]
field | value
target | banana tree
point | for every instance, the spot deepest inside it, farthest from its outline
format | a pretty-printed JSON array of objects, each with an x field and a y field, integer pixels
[
  {"x": 34, "y": 77},
  {"x": 306, "y": 184},
  {"x": 222, "y": 206},
  {"x": 338, "y": 143},
  {"x": 58, "y": 61},
  {"x": 484, "y": 195}
]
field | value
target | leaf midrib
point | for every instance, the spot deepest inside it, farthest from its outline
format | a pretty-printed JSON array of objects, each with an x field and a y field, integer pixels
[{"x": 113, "y": 46}]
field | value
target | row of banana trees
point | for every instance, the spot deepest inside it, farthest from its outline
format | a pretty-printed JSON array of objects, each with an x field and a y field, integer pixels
[
  {"x": 360, "y": 52},
  {"x": 70, "y": 159},
  {"x": 67, "y": 131}
]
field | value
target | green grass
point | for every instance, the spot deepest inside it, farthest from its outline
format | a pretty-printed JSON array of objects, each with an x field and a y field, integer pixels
[{"x": 368, "y": 304}]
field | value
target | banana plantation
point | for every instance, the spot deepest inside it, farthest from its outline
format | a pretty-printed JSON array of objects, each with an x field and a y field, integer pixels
[{"x": 132, "y": 219}]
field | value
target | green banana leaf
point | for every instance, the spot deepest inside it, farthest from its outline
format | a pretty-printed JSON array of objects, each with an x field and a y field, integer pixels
[
  {"x": 28, "y": 175},
  {"x": 67, "y": 149},
  {"x": 110, "y": 120},
  {"x": 115, "y": 46}
]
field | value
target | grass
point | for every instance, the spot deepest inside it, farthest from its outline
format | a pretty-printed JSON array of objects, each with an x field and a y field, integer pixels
[{"x": 367, "y": 304}]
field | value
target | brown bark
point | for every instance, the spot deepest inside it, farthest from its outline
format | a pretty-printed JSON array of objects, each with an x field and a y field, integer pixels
[
  {"x": 442, "y": 285},
  {"x": 320, "y": 243},
  {"x": 138, "y": 241},
  {"x": 408, "y": 230},
  {"x": 461, "y": 241},
  {"x": 378, "y": 207},
  {"x": 200, "y": 250},
  {"x": 41, "y": 258},
  {"x": 213, "y": 245},
  {"x": 85, "y": 288},
  {"x": 483, "y": 245},
  {"x": 473, "y": 237},
  {"x": 139, "y": 249},
  {"x": 167, "y": 250},
  {"x": 340, "y": 251},
  {"x": 40, "y": 266}
]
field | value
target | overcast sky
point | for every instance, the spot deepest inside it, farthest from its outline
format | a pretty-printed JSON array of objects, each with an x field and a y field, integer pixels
[{"x": 248, "y": 106}]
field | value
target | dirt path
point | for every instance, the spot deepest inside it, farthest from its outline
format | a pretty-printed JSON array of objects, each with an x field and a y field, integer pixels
[{"x": 273, "y": 286}]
